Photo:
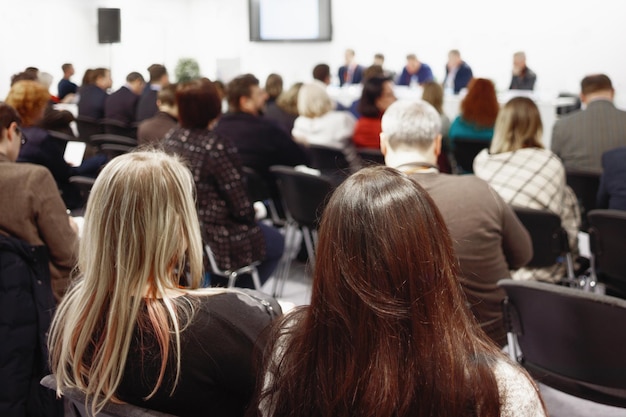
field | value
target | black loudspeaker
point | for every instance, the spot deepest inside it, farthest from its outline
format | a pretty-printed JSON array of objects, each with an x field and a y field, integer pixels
[{"x": 109, "y": 24}]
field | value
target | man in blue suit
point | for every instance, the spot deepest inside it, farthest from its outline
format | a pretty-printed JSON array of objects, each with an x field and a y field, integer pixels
[
  {"x": 458, "y": 73},
  {"x": 415, "y": 72},
  {"x": 612, "y": 190},
  {"x": 351, "y": 72}
]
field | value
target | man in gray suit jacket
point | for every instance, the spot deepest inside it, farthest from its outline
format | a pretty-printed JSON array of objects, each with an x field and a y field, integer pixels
[{"x": 581, "y": 138}]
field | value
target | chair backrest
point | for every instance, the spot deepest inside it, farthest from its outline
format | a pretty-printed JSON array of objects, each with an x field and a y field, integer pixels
[
  {"x": 370, "y": 156},
  {"x": 304, "y": 195},
  {"x": 84, "y": 185},
  {"x": 569, "y": 339},
  {"x": 608, "y": 242},
  {"x": 465, "y": 150},
  {"x": 98, "y": 140},
  {"x": 330, "y": 161},
  {"x": 259, "y": 190},
  {"x": 87, "y": 127},
  {"x": 77, "y": 402},
  {"x": 548, "y": 237},
  {"x": 116, "y": 127},
  {"x": 585, "y": 185}
]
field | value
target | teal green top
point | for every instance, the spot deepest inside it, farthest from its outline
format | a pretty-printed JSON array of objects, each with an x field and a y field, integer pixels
[{"x": 461, "y": 128}]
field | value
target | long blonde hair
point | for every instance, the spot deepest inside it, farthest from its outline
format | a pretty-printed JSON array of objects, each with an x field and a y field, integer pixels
[
  {"x": 518, "y": 126},
  {"x": 141, "y": 235}
]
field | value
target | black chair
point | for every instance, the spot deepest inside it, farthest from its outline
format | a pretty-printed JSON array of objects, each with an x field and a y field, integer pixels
[
  {"x": 259, "y": 190},
  {"x": 568, "y": 339},
  {"x": 331, "y": 162},
  {"x": 88, "y": 127},
  {"x": 550, "y": 241},
  {"x": 113, "y": 145},
  {"x": 573, "y": 105},
  {"x": 585, "y": 185},
  {"x": 370, "y": 156},
  {"x": 233, "y": 274},
  {"x": 76, "y": 402},
  {"x": 84, "y": 186},
  {"x": 117, "y": 127},
  {"x": 607, "y": 239},
  {"x": 465, "y": 150},
  {"x": 304, "y": 198}
]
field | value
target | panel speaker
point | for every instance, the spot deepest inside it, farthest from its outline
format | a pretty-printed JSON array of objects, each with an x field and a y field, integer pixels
[{"x": 109, "y": 24}]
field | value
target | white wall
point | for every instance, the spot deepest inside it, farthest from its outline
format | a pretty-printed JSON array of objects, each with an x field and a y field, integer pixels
[{"x": 563, "y": 40}]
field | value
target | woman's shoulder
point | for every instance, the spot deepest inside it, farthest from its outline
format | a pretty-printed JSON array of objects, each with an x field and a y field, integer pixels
[
  {"x": 237, "y": 304},
  {"x": 519, "y": 396}
]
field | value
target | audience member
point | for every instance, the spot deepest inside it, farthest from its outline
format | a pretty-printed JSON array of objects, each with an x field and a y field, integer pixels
[
  {"x": 376, "y": 96},
  {"x": 581, "y": 138},
  {"x": 147, "y": 106},
  {"x": 66, "y": 88},
  {"x": 32, "y": 208},
  {"x": 153, "y": 130},
  {"x": 135, "y": 328},
  {"x": 415, "y": 72},
  {"x": 38, "y": 248},
  {"x": 458, "y": 73},
  {"x": 321, "y": 72},
  {"x": 432, "y": 93},
  {"x": 226, "y": 214},
  {"x": 319, "y": 124},
  {"x": 387, "y": 332},
  {"x": 488, "y": 238},
  {"x": 523, "y": 77},
  {"x": 526, "y": 175},
  {"x": 379, "y": 60},
  {"x": 29, "y": 98},
  {"x": 479, "y": 109},
  {"x": 612, "y": 190},
  {"x": 350, "y": 72},
  {"x": 94, "y": 94},
  {"x": 285, "y": 110},
  {"x": 369, "y": 72},
  {"x": 260, "y": 142},
  {"x": 122, "y": 104},
  {"x": 273, "y": 87}
]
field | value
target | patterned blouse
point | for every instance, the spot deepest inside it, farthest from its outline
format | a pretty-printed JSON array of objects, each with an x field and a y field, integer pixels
[
  {"x": 532, "y": 178},
  {"x": 225, "y": 212}
]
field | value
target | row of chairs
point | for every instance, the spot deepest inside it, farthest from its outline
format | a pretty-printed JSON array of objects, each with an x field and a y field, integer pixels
[{"x": 89, "y": 126}]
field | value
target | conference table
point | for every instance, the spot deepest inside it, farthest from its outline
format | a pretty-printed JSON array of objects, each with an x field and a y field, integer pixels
[{"x": 451, "y": 103}]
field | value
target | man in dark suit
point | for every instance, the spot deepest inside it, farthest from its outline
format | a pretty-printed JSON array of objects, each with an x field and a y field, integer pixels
[
  {"x": 93, "y": 96},
  {"x": 581, "y": 138},
  {"x": 351, "y": 72},
  {"x": 261, "y": 143},
  {"x": 612, "y": 190},
  {"x": 122, "y": 105},
  {"x": 523, "y": 77},
  {"x": 458, "y": 73},
  {"x": 147, "y": 106}
]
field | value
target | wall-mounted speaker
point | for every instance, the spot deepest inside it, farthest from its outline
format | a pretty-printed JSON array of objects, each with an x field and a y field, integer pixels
[{"x": 109, "y": 25}]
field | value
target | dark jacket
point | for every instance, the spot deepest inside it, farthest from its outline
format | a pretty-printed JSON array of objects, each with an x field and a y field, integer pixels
[
  {"x": 121, "y": 106},
  {"x": 91, "y": 102},
  {"x": 462, "y": 77},
  {"x": 147, "y": 105},
  {"x": 26, "y": 309},
  {"x": 612, "y": 190}
]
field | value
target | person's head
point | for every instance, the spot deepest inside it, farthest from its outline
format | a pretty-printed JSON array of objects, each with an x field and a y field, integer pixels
[
  {"x": 411, "y": 128},
  {"x": 102, "y": 78},
  {"x": 480, "y": 105},
  {"x": 288, "y": 100},
  {"x": 142, "y": 241},
  {"x": 10, "y": 134},
  {"x": 166, "y": 100},
  {"x": 373, "y": 71},
  {"x": 29, "y": 98},
  {"x": 379, "y": 59},
  {"x": 221, "y": 88},
  {"x": 412, "y": 63},
  {"x": 273, "y": 86},
  {"x": 376, "y": 97},
  {"x": 349, "y": 56},
  {"x": 88, "y": 77},
  {"x": 432, "y": 93},
  {"x": 135, "y": 82},
  {"x": 519, "y": 62},
  {"x": 518, "y": 126},
  {"x": 388, "y": 327},
  {"x": 596, "y": 86},
  {"x": 454, "y": 58},
  {"x": 158, "y": 74},
  {"x": 313, "y": 101},
  {"x": 321, "y": 72},
  {"x": 68, "y": 70},
  {"x": 245, "y": 95},
  {"x": 198, "y": 103},
  {"x": 24, "y": 76}
]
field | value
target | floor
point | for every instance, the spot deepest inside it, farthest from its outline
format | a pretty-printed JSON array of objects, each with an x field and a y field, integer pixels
[{"x": 297, "y": 291}]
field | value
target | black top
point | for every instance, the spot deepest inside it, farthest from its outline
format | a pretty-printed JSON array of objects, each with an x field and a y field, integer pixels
[
  {"x": 147, "y": 104},
  {"x": 91, "y": 102},
  {"x": 218, "y": 349},
  {"x": 121, "y": 106}
]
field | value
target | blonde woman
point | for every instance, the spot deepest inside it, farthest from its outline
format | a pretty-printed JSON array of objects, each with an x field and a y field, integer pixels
[
  {"x": 526, "y": 174},
  {"x": 128, "y": 331}
]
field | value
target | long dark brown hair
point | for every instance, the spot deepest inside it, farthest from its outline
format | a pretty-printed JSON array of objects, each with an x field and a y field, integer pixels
[{"x": 388, "y": 331}]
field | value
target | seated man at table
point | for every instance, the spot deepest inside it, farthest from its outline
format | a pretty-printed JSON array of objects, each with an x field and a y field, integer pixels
[
  {"x": 458, "y": 73},
  {"x": 523, "y": 77},
  {"x": 488, "y": 238},
  {"x": 415, "y": 72}
]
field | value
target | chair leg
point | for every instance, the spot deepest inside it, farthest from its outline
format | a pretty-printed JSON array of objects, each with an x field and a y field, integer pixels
[
  {"x": 232, "y": 277},
  {"x": 512, "y": 346},
  {"x": 308, "y": 241},
  {"x": 282, "y": 271},
  {"x": 255, "y": 279}
]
